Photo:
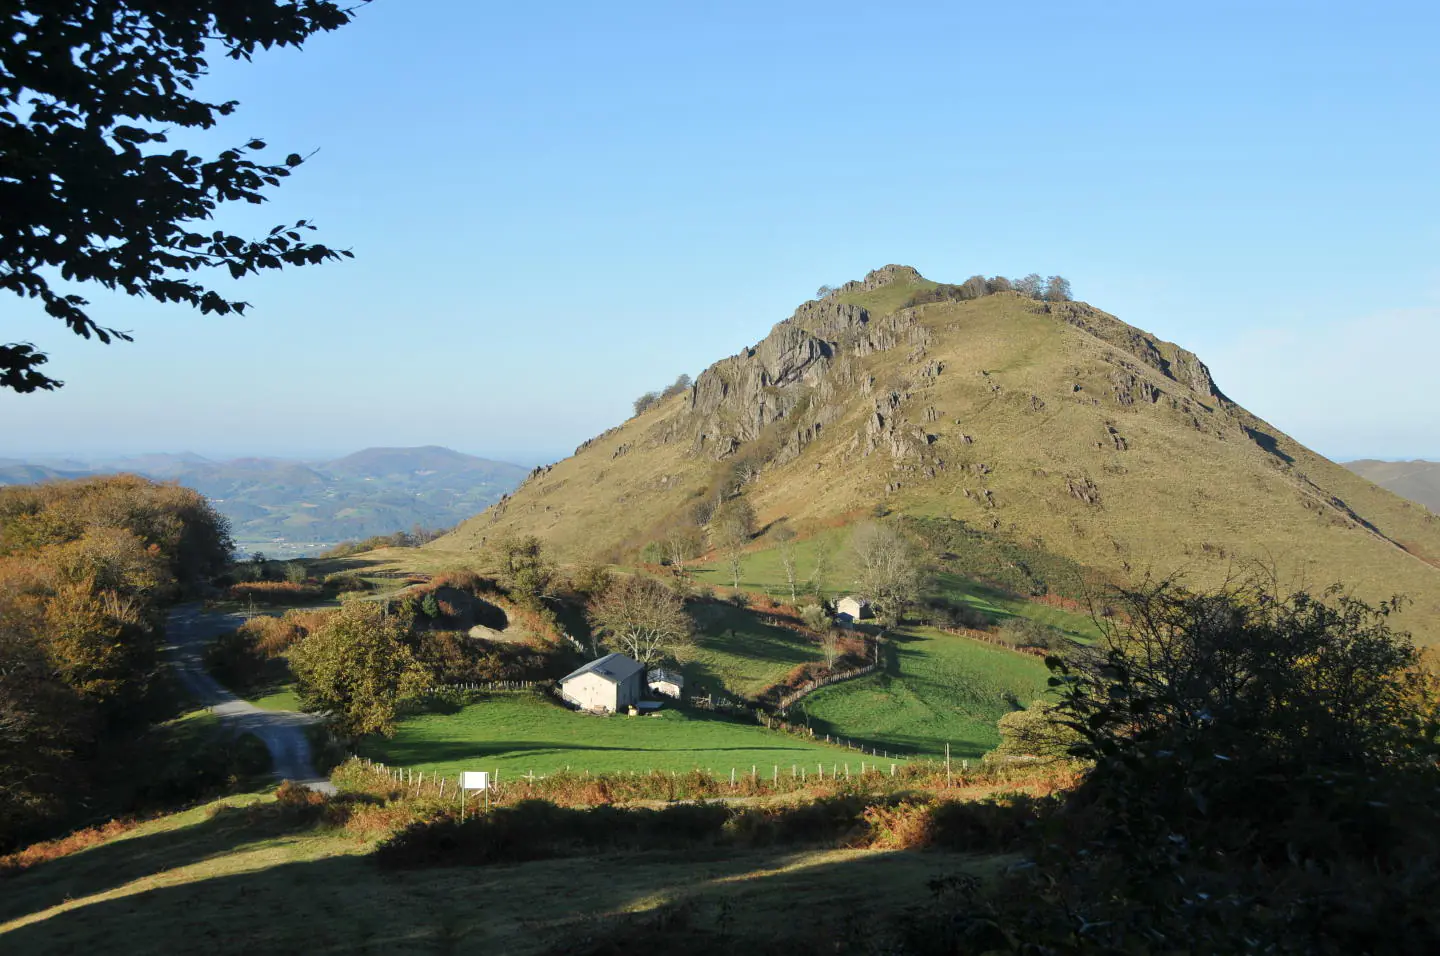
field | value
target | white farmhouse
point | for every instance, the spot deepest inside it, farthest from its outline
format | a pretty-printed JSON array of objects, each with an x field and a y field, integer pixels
[
  {"x": 670, "y": 683},
  {"x": 852, "y": 608},
  {"x": 606, "y": 685}
]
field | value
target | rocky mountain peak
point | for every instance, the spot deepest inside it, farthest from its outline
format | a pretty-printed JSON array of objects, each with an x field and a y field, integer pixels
[{"x": 883, "y": 276}]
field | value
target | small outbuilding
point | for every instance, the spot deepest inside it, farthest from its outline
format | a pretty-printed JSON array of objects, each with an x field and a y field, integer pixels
[
  {"x": 606, "y": 685},
  {"x": 666, "y": 682},
  {"x": 852, "y": 608}
]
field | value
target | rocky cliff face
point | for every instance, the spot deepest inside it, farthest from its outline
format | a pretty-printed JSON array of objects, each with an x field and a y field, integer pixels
[{"x": 800, "y": 366}]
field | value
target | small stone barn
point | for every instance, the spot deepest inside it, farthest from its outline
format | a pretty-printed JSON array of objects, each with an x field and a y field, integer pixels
[
  {"x": 852, "y": 608},
  {"x": 667, "y": 682},
  {"x": 605, "y": 685}
]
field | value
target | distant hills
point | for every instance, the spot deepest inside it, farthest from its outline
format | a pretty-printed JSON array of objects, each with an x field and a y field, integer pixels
[
  {"x": 1417, "y": 480},
  {"x": 1046, "y": 432},
  {"x": 291, "y": 508}
]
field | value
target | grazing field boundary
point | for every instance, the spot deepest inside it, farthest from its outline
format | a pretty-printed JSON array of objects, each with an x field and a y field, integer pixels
[{"x": 810, "y": 687}]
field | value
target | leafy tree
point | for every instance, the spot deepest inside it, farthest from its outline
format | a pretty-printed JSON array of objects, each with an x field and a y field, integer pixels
[
  {"x": 681, "y": 383},
  {"x": 643, "y": 617},
  {"x": 89, "y": 92},
  {"x": 517, "y": 552},
  {"x": 357, "y": 667},
  {"x": 592, "y": 579},
  {"x": 1032, "y": 285},
  {"x": 816, "y": 618},
  {"x": 1035, "y": 732},
  {"x": 889, "y": 572},
  {"x": 974, "y": 287},
  {"x": 430, "y": 606},
  {"x": 1248, "y": 708},
  {"x": 998, "y": 284},
  {"x": 1057, "y": 289}
]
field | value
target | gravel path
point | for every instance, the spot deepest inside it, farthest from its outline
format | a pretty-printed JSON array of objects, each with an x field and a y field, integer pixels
[{"x": 188, "y": 630}]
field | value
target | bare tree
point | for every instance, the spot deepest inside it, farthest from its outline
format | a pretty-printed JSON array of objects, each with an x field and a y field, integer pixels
[
  {"x": 831, "y": 647},
  {"x": 824, "y": 292},
  {"x": 731, "y": 526},
  {"x": 888, "y": 569},
  {"x": 1057, "y": 289},
  {"x": 820, "y": 572},
  {"x": 785, "y": 549},
  {"x": 682, "y": 543},
  {"x": 645, "y": 402},
  {"x": 642, "y": 617}
]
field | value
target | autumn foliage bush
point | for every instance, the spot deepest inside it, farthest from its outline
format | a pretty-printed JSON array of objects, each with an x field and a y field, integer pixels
[{"x": 275, "y": 592}]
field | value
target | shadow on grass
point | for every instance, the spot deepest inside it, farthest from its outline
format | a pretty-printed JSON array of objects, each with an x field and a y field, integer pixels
[
  {"x": 132, "y": 858},
  {"x": 685, "y": 899}
]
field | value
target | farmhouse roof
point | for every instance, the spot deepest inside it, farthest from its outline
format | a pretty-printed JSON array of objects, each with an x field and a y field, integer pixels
[{"x": 612, "y": 667}]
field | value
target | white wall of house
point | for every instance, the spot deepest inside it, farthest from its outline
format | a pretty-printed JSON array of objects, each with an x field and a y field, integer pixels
[
  {"x": 593, "y": 692},
  {"x": 669, "y": 688}
]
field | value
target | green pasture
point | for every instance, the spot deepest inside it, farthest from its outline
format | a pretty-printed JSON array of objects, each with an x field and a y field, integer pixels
[
  {"x": 736, "y": 650},
  {"x": 936, "y": 688},
  {"x": 520, "y": 733}
]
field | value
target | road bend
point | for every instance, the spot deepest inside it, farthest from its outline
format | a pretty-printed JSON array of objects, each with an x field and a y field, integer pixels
[{"x": 188, "y": 630}]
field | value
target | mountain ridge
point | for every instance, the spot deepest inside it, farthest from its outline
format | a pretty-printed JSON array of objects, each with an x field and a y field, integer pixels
[
  {"x": 290, "y": 507},
  {"x": 1052, "y": 423}
]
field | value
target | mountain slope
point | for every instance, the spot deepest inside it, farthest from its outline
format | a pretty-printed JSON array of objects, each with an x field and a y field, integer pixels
[
  {"x": 1054, "y": 425},
  {"x": 1417, "y": 480}
]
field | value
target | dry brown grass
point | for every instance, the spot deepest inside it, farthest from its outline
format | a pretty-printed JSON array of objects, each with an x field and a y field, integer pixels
[{"x": 37, "y": 853}]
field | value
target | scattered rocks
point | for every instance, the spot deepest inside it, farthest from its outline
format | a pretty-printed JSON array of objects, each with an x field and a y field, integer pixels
[{"x": 1084, "y": 489}]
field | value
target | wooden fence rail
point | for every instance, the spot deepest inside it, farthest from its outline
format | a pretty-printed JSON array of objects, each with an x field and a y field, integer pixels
[{"x": 810, "y": 687}]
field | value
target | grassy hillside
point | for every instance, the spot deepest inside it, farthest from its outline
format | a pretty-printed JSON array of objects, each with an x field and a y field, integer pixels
[
  {"x": 229, "y": 878},
  {"x": 1052, "y": 428},
  {"x": 1418, "y": 481}
]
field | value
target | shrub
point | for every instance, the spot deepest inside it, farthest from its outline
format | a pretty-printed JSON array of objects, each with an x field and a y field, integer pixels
[
  {"x": 343, "y": 581},
  {"x": 275, "y": 592}
]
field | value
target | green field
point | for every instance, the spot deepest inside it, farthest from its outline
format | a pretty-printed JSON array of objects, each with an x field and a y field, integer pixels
[
  {"x": 519, "y": 733},
  {"x": 736, "y": 649},
  {"x": 761, "y": 572},
  {"x": 281, "y": 697},
  {"x": 936, "y": 688}
]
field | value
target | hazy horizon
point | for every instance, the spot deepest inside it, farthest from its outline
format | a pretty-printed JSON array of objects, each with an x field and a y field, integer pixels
[{"x": 537, "y": 246}]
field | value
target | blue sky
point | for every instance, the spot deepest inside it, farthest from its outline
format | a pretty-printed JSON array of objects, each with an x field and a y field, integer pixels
[{"x": 557, "y": 206}]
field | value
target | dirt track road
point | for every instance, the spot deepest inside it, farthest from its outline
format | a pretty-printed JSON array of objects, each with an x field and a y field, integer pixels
[{"x": 188, "y": 630}]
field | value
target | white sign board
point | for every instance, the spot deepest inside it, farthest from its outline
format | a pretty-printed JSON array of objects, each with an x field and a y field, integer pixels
[{"x": 475, "y": 780}]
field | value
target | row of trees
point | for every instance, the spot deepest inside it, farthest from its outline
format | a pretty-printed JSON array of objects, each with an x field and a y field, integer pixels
[
  {"x": 1051, "y": 289},
  {"x": 650, "y": 399},
  {"x": 85, "y": 567}
]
